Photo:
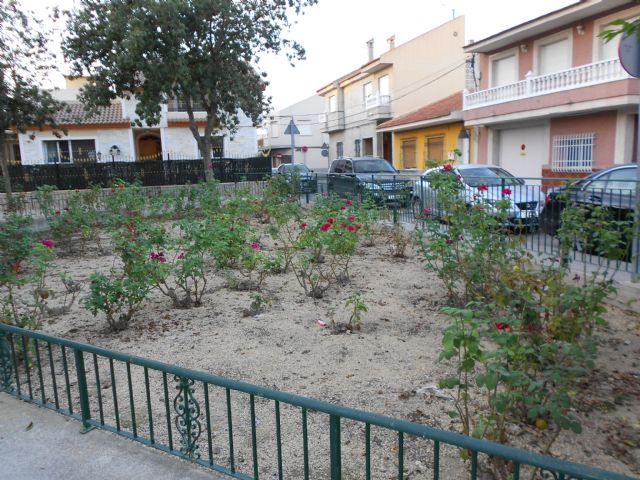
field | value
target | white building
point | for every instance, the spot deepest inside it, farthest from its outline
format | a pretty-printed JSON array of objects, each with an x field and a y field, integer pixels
[
  {"x": 308, "y": 143},
  {"x": 110, "y": 136}
]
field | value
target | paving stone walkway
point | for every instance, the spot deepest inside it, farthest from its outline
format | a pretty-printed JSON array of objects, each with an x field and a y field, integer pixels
[{"x": 36, "y": 443}]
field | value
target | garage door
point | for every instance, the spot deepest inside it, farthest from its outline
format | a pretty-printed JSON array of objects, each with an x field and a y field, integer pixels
[{"x": 527, "y": 161}]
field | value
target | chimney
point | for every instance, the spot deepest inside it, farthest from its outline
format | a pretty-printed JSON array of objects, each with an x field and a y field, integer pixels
[
  {"x": 370, "y": 49},
  {"x": 391, "y": 41}
]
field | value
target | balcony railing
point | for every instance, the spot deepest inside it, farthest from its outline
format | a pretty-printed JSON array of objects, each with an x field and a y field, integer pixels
[
  {"x": 376, "y": 100},
  {"x": 582, "y": 76},
  {"x": 181, "y": 106}
]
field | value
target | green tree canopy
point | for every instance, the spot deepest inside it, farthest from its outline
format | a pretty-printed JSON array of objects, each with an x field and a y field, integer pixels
[
  {"x": 24, "y": 62},
  {"x": 202, "y": 52}
]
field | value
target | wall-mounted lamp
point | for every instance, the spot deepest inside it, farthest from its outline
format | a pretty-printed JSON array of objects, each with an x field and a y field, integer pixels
[
  {"x": 463, "y": 135},
  {"x": 580, "y": 29},
  {"x": 523, "y": 48},
  {"x": 114, "y": 150}
]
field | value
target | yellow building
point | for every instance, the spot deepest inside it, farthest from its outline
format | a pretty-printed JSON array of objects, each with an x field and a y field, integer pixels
[{"x": 434, "y": 132}]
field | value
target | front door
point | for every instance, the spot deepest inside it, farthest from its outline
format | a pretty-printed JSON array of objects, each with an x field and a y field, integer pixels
[{"x": 149, "y": 148}]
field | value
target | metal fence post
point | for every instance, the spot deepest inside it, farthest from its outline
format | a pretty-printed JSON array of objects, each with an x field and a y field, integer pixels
[
  {"x": 335, "y": 447},
  {"x": 6, "y": 364},
  {"x": 82, "y": 389},
  {"x": 395, "y": 201}
]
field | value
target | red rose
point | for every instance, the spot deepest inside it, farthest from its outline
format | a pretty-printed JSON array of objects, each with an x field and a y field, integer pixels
[
  {"x": 351, "y": 218},
  {"x": 303, "y": 226},
  {"x": 351, "y": 228},
  {"x": 325, "y": 227},
  {"x": 483, "y": 187},
  {"x": 502, "y": 326},
  {"x": 448, "y": 241},
  {"x": 347, "y": 202},
  {"x": 47, "y": 243},
  {"x": 426, "y": 211},
  {"x": 448, "y": 167},
  {"x": 330, "y": 220},
  {"x": 343, "y": 207},
  {"x": 506, "y": 191},
  {"x": 343, "y": 225}
]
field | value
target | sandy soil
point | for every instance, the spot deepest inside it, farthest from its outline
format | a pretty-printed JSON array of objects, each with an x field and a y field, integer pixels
[{"x": 380, "y": 369}]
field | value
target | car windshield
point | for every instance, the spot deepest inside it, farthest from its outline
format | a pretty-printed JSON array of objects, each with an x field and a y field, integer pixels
[
  {"x": 489, "y": 176},
  {"x": 297, "y": 168},
  {"x": 373, "y": 166}
]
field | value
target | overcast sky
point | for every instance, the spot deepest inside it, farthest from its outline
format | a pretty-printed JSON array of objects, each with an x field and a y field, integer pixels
[{"x": 334, "y": 33}]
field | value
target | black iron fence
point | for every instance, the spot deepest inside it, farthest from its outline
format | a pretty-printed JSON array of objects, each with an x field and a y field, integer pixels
[{"x": 69, "y": 176}]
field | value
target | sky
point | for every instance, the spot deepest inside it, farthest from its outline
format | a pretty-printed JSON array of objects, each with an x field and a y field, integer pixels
[{"x": 334, "y": 34}]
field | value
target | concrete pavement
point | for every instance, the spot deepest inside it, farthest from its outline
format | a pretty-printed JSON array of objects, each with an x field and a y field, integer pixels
[{"x": 36, "y": 444}]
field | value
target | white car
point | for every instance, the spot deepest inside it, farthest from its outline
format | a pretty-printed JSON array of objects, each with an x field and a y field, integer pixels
[{"x": 495, "y": 183}]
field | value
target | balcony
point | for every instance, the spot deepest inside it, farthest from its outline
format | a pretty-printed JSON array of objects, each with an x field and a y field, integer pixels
[
  {"x": 532, "y": 86},
  {"x": 331, "y": 122},
  {"x": 378, "y": 107}
]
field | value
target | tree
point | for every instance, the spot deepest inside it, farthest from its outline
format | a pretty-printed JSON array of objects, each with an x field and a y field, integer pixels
[
  {"x": 624, "y": 28},
  {"x": 202, "y": 52},
  {"x": 24, "y": 60}
]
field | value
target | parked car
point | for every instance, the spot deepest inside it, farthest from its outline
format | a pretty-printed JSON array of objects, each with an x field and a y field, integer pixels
[
  {"x": 369, "y": 176},
  {"x": 613, "y": 188},
  {"x": 527, "y": 200},
  {"x": 307, "y": 182}
]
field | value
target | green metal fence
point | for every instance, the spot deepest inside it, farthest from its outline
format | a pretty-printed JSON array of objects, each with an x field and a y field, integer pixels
[{"x": 242, "y": 430}]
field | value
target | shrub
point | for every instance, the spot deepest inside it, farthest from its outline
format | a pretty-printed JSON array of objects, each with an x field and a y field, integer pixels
[
  {"x": 520, "y": 332},
  {"x": 118, "y": 297}
]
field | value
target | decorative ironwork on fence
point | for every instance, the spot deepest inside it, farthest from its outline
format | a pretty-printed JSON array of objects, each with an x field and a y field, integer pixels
[
  {"x": 69, "y": 176},
  {"x": 203, "y": 415}
]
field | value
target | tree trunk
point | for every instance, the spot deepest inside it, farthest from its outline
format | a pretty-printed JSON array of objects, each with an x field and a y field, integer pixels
[
  {"x": 4, "y": 164},
  {"x": 205, "y": 150}
]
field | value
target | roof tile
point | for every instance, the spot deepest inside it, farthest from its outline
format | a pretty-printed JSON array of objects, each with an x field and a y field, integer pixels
[{"x": 441, "y": 108}]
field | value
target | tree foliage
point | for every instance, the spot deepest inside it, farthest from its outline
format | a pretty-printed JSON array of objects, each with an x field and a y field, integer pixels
[
  {"x": 202, "y": 52},
  {"x": 24, "y": 62},
  {"x": 622, "y": 27}
]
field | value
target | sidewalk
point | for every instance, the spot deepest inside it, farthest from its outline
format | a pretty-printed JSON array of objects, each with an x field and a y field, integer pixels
[{"x": 36, "y": 443}]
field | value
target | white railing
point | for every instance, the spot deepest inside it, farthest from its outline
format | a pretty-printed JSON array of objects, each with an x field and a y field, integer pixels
[
  {"x": 531, "y": 86},
  {"x": 376, "y": 100}
]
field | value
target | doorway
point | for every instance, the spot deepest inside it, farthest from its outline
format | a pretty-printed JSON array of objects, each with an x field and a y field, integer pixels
[{"x": 149, "y": 147}]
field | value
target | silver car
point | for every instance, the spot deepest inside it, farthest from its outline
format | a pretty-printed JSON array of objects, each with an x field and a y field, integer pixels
[{"x": 495, "y": 184}]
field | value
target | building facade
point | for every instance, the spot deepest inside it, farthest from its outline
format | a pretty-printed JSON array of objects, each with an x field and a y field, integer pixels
[
  {"x": 553, "y": 98},
  {"x": 425, "y": 69},
  {"x": 110, "y": 135},
  {"x": 308, "y": 142},
  {"x": 433, "y": 133}
]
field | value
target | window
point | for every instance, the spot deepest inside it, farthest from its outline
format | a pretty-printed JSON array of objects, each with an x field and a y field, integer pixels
[
  {"x": 572, "y": 153},
  {"x": 408, "y": 148},
  {"x": 333, "y": 105},
  {"x": 348, "y": 166},
  {"x": 554, "y": 56},
  {"x": 68, "y": 151},
  {"x": 383, "y": 85},
  {"x": 434, "y": 149},
  {"x": 356, "y": 146},
  {"x": 603, "y": 50},
  {"x": 339, "y": 149},
  {"x": 367, "y": 91},
  {"x": 504, "y": 70},
  {"x": 617, "y": 180},
  {"x": 304, "y": 127}
]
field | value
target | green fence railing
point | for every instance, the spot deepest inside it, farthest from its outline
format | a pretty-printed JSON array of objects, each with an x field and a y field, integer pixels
[{"x": 243, "y": 430}]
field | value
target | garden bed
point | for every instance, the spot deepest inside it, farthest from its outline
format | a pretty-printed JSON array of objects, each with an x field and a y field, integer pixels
[{"x": 389, "y": 367}]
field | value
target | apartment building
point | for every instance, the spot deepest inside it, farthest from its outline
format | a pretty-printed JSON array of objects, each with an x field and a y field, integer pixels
[
  {"x": 308, "y": 143},
  {"x": 405, "y": 77},
  {"x": 553, "y": 99}
]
